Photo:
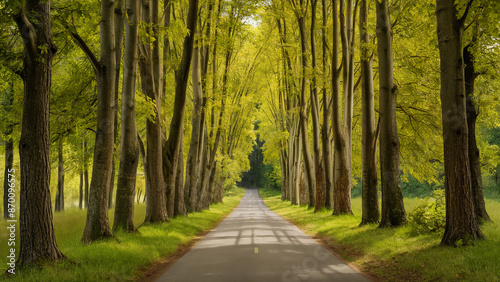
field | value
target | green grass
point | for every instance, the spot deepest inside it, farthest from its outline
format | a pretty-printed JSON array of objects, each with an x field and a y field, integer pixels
[
  {"x": 398, "y": 254},
  {"x": 123, "y": 257}
]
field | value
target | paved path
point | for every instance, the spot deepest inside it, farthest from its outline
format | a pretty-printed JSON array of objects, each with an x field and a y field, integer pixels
[{"x": 255, "y": 244}]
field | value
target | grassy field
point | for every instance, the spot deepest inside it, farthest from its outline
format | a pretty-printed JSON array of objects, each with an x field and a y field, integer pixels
[
  {"x": 398, "y": 254},
  {"x": 124, "y": 257}
]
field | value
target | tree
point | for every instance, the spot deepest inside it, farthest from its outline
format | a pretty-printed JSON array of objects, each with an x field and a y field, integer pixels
[
  {"x": 97, "y": 224},
  {"x": 171, "y": 151},
  {"x": 86, "y": 174},
  {"x": 150, "y": 66},
  {"x": 80, "y": 199},
  {"x": 325, "y": 127},
  {"x": 193, "y": 160},
  {"x": 319, "y": 193},
  {"x": 119, "y": 27},
  {"x": 461, "y": 221},
  {"x": 300, "y": 10},
  {"x": 370, "y": 210},
  {"x": 129, "y": 151},
  {"x": 472, "y": 113},
  {"x": 38, "y": 242},
  {"x": 342, "y": 172},
  {"x": 59, "y": 202},
  {"x": 393, "y": 211}
]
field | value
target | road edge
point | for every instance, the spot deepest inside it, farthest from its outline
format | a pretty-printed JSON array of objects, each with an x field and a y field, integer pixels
[{"x": 159, "y": 267}]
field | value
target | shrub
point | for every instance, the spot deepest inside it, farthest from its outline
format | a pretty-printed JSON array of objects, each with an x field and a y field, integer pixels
[{"x": 430, "y": 214}]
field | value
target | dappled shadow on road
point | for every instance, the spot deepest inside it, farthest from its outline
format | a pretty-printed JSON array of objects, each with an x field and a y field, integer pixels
[{"x": 256, "y": 244}]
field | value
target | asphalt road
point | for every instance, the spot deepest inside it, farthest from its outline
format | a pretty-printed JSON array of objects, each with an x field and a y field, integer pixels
[{"x": 255, "y": 244}]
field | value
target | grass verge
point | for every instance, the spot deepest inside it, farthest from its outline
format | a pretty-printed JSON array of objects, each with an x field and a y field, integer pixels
[
  {"x": 124, "y": 257},
  {"x": 397, "y": 254}
]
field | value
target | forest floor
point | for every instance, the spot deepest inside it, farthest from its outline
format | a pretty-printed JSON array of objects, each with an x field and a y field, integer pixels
[
  {"x": 397, "y": 254},
  {"x": 125, "y": 257}
]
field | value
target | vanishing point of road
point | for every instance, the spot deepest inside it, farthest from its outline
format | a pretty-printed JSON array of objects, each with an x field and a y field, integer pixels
[{"x": 255, "y": 244}]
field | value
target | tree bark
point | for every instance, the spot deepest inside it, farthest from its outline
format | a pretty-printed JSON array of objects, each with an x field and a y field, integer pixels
[
  {"x": 85, "y": 175},
  {"x": 325, "y": 132},
  {"x": 297, "y": 164},
  {"x": 461, "y": 221},
  {"x": 370, "y": 209},
  {"x": 97, "y": 224},
  {"x": 347, "y": 32},
  {"x": 315, "y": 112},
  {"x": 37, "y": 238},
  {"x": 129, "y": 145},
  {"x": 308, "y": 161},
  {"x": 119, "y": 27},
  {"x": 474, "y": 158},
  {"x": 59, "y": 202},
  {"x": 156, "y": 208},
  {"x": 292, "y": 124},
  {"x": 80, "y": 202},
  {"x": 192, "y": 168},
  {"x": 172, "y": 147},
  {"x": 342, "y": 167},
  {"x": 393, "y": 211},
  {"x": 179, "y": 203}
]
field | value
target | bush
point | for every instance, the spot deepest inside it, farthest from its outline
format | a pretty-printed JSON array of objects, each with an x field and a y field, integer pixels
[{"x": 430, "y": 214}]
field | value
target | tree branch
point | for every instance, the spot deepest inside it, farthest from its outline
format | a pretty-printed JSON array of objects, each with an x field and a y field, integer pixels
[
  {"x": 85, "y": 48},
  {"x": 27, "y": 33},
  {"x": 464, "y": 17}
]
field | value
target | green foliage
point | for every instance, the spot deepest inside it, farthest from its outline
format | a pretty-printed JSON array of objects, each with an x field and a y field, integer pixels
[
  {"x": 410, "y": 186},
  {"x": 413, "y": 188},
  {"x": 429, "y": 215}
]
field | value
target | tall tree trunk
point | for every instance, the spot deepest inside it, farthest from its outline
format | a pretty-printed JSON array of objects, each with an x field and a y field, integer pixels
[
  {"x": 179, "y": 203},
  {"x": 85, "y": 175},
  {"x": 129, "y": 145},
  {"x": 308, "y": 161},
  {"x": 297, "y": 164},
  {"x": 59, "y": 203},
  {"x": 347, "y": 38},
  {"x": 325, "y": 132},
  {"x": 292, "y": 125},
  {"x": 315, "y": 112},
  {"x": 393, "y": 211},
  {"x": 342, "y": 167},
  {"x": 37, "y": 238},
  {"x": 205, "y": 170},
  {"x": 212, "y": 188},
  {"x": 9, "y": 162},
  {"x": 284, "y": 173},
  {"x": 119, "y": 26},
  {"x": 97, "y": 224},
  {"x": 192, "y": 172},
  {"x": 113, "y": 173},
  {"x": 461, "y": 220},
  {"x": 172, "y": 147},
  {"x": 170, "y": 168},
  {"x": 474, "y": 159},
  {"x": 80, "y": 202},
  {"x": 156, "y": 208},
  {"x": 370, "y": 209}
]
